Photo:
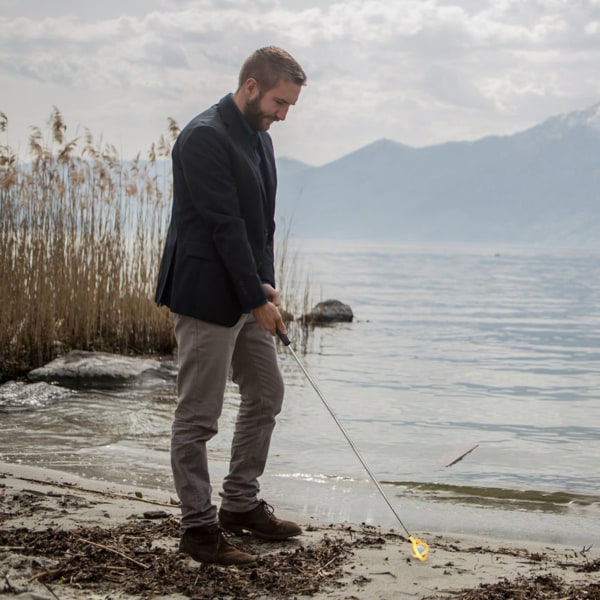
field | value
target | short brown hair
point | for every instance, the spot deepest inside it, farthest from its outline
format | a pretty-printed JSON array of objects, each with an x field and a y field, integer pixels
[{"x": 268, "y": 66}]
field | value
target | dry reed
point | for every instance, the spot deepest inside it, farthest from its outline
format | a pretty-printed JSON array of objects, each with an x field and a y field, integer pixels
[{"x": 81, "y": 234}]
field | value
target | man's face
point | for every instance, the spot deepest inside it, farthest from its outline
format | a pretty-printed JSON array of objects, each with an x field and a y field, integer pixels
[{"x": 262, "y": 109}]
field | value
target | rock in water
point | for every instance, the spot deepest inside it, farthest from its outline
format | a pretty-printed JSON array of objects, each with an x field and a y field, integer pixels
[
  {"x": 79, "y": 366},
  {"x": 329, "y": 311}
]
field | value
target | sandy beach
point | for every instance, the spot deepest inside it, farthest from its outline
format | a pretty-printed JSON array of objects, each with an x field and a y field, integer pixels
[{"x": 63, "y": 537}]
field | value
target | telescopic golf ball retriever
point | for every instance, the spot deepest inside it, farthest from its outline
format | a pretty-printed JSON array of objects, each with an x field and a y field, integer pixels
[{"x": 419, "y": 549}]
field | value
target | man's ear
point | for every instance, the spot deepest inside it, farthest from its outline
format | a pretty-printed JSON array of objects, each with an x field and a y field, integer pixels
[{"x": 251, "y": 88}]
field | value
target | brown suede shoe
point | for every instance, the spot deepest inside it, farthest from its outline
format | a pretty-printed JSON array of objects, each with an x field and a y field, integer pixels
[
  {"x": 208, "y": 545},
  {"x": 259, "y": 521}
]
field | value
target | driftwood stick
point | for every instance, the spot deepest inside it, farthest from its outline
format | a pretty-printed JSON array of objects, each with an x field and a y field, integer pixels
[
  {"x": 50, "y": 590},
  {"x": 50, "y": 572},
  {"x": 115, "y": 551},
  {"x": 106, "y": 494}
]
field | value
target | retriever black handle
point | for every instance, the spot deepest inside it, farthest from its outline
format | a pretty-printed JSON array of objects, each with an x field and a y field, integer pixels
[{"x": 283, "y": 337}]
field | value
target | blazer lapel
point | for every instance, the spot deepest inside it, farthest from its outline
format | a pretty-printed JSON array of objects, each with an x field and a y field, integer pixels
[
  {"x": 267, "y": 168},
  {"x": 261, "y": 157}
]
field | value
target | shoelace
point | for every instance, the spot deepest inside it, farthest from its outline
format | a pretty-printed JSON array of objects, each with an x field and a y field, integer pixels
[{"x": 267, "y": 507}]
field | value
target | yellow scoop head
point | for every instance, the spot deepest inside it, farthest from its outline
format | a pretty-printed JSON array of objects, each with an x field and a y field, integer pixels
[{"x": 419, "y": 549}]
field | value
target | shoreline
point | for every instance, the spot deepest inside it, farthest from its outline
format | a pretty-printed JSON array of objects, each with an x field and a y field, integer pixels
[{"x": 334, "y": 560}]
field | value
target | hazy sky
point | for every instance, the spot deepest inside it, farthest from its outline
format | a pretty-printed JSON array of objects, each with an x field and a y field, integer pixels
[{"x": 419, "y": 72}]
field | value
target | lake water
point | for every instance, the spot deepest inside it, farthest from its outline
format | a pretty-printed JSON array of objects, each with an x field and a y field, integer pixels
[{"x": 494, "y": 349}]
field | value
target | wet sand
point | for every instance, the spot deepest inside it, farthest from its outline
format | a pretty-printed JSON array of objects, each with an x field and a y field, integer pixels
[{"x": 66, "y": 537}]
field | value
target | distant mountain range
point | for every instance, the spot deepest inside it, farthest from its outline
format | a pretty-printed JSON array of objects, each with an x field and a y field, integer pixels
[{"x": 541, "y": 185}]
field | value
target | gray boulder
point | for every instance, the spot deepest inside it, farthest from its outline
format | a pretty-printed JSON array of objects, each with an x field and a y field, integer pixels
[
  {"x": 80, "y": 367},
  {"x": 327, "y": 312}
]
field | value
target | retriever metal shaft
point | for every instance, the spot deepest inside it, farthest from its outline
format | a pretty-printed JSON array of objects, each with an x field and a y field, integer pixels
[{"x": 286, "y": 341}]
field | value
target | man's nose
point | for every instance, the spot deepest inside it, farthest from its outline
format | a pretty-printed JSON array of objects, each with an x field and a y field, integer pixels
[{"x": 281, "y": 113}]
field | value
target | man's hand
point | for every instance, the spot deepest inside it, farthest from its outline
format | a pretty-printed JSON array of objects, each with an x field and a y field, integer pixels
[
  {"x": 272, "y": 294},
  {"x": 268, "y": 316}
]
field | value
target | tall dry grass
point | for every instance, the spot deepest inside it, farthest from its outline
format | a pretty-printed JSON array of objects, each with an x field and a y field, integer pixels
[
  {"x": 81, "y": 236},
  {"x": 293, "y": 282},
  {"x": 80, "y": 240}
]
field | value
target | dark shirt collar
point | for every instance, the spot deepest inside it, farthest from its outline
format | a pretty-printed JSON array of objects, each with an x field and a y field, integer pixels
[{"x": 252, "y": 133}]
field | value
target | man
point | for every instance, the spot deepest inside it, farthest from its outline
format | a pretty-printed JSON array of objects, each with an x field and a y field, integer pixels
[{"x": 217, "y": 277}]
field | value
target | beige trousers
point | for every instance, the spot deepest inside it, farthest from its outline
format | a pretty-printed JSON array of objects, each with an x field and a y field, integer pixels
[{"x": 206, "y": 355}]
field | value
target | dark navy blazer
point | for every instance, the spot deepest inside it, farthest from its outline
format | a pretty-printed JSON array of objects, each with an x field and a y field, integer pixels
[{"x": 219, "y": 246}]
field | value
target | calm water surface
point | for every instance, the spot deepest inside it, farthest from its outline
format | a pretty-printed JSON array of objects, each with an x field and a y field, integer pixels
[{"x": 495, "y": 349}]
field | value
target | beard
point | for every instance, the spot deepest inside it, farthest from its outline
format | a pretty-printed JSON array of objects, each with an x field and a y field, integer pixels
[{"x": 256, "y": 117}]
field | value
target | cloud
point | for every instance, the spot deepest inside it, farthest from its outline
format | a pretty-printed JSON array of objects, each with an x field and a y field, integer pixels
[{"x": 420, "y": 72}]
